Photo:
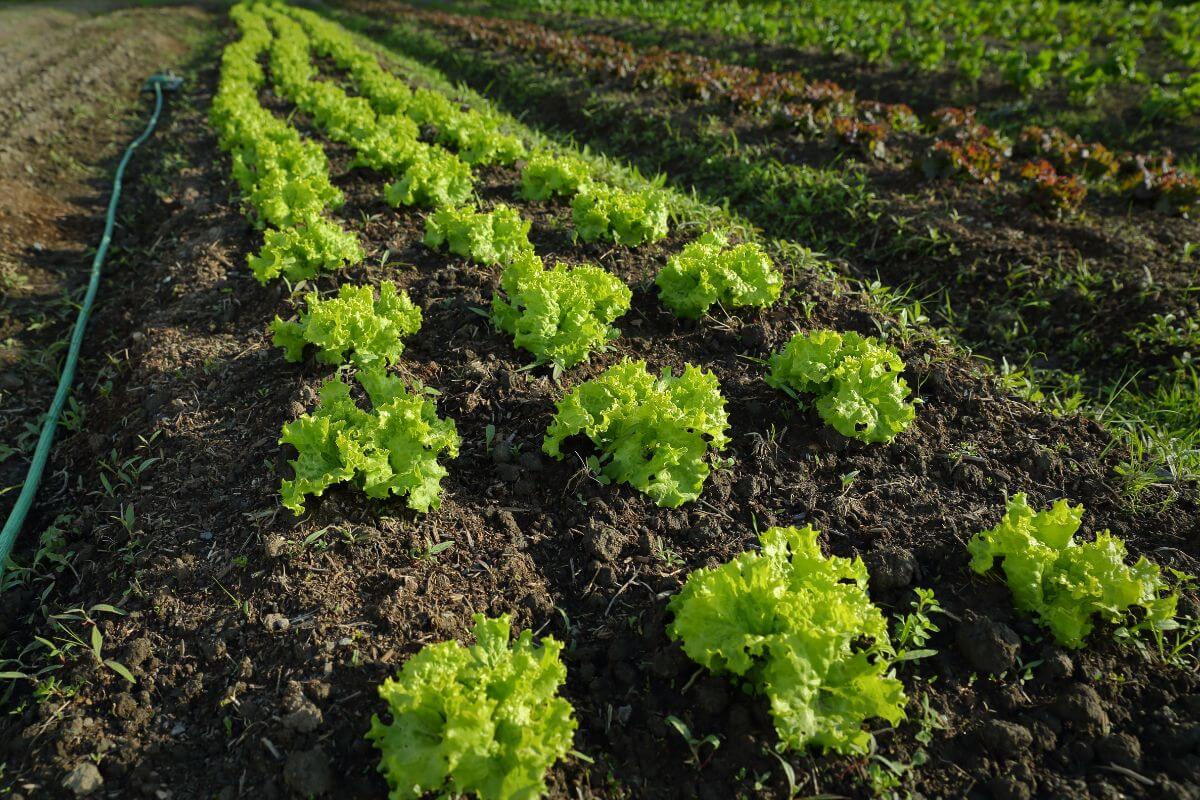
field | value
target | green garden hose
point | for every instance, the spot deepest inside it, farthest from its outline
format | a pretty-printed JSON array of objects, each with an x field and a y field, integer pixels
[{"x": 8, "y": 537}]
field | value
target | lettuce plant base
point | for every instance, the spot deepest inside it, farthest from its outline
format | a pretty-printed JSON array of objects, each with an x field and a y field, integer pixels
[{"x": 257, "y": 640}]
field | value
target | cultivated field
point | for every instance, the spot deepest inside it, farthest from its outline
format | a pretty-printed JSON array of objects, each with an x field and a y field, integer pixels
[{"x": 590, "y": 398}]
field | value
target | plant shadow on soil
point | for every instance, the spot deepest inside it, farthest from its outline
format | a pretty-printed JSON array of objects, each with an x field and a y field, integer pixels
[{"x": 258, "y": 640}]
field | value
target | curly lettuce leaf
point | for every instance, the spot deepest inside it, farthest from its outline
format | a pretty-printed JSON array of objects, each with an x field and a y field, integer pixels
[
  {"x": 560, "y": 315},
  {"x": 547, "y": 175},
  {"x": 856, "y": 380},
  {"x": 495, "y": 237},
  {"x": 1065, "y": 583},
  {"x": 299, "y": 253},
  {"x": 484, "y": 720},
  {"x": 433, "y": 179},
  {"x": 391, "y": 449},
  {"x": 708, "y": 271},
  {"x": 629, "y": 218},
  {"x": 799, "y": 628},
  {"x": 370, "y": 330},
  {"x": 390, "y": 147},
  {"x": 653, "y": 433}
]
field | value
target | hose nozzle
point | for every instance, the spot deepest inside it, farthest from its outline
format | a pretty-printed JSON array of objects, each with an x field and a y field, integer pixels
[{"x": 168, "y": 81}]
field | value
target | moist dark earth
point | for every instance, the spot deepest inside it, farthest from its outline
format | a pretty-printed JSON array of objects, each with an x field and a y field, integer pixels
[{"x": 257, "y": 640}]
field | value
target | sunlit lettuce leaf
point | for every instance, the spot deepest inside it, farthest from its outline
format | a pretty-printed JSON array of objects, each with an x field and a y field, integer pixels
[
  {"x": 391, "y": 449},
  {"x": 560, "y": 315},
  {"x": 856, "y": 380},
  {"x": 493, "y": 237},
  {"x": 546, "y": 175},
  {"x": 1067, "y": 583},
  {"x": 709, "y": 271},
  {"x": 799, "y": 628},
  {"x": 653, "y": 433},
  {"x": 629, "y": 218},
  {"x": 354, "y": 327},
  {"x": 484, "y": 720}
]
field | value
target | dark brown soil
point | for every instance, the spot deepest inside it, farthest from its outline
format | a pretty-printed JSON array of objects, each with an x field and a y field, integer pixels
[{"x": 257, "y": 639}]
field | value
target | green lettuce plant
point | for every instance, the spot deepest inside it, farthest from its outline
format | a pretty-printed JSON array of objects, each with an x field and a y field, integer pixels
[
  {"x": 856, "y": 380},
  {"x": 652, "y": 433},
  {"x": 284, "y": 194},
  {"x": 629, "y": 218},
  {"x": 479, "y": 140},
  {"x": 391, "y": 449},
  {"x": 433, "y": 178},
  {"x": 484, "y": 720},
  {"x": 390, "y": 146},
  {"x": 709, "y": 271},
  {"x": 799, "y": 628},
  {"x": 546, "y": 175},
  {"x": 427, "y": 107},
  {"x": 560, "y": 315},
  {"x": 494, "y": 237},
  {"x": 370, "y": 330},
  {"x": 476, "y": 136},
  {"x": 302, "y": 252},
  {"x": 1066, "y": 584}
]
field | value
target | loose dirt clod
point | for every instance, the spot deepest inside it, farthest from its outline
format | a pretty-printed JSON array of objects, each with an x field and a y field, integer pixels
[
  {"x": 989, "y": 647},
  {"x": 1080, "y": 705},
  {"x": 308, "y": 773}
]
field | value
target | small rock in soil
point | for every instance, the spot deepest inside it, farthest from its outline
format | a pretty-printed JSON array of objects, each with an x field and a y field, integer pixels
[
  {"x": 1005, "y": 739},
  {"x": 307, "y": 773},
  {"x": 712, "y": 695},
  {"x": 1045, "y": 738},
  {"x": 531, "y": 461},
  {"x": 893, "y": 568},
  {"x": 274, "y": 546},
  {"x": 84, "y": 779},
  {"x": 508, "y": 473},
  {"x": 1080, "y": 705},
  {"x": 969, "y": 476},
  {"x": 988, "y": 646},
  {"x": 750, "y": 487},
  {"x": 1120, "y": 749},
  {"x": 1185, "y": 769},
  {"x": 501, "y": 453},
  {"x": 667, "y": 663},
  {"x": 125, "y": 707},
  {"x": 1189, "y": 739},
  {"x": 508, "y": 523},
  {"x": 276, "y": 623},
  {"x": 1056, "y": 665},
  {"x": 1077, "y": 754}
]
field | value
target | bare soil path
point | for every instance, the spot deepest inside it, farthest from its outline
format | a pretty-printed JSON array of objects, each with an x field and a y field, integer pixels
[{"x": 71, "y": 84}]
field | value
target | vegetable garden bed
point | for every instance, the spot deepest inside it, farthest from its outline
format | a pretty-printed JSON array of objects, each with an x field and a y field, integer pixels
[{"x": 601, "y": 487}]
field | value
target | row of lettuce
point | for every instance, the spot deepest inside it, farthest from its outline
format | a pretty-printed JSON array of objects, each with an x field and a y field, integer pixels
[
  {"x": 1057, "y": 169},
  {"x": 1078, "y": 48},
  {"x": 786, "y": 621}
]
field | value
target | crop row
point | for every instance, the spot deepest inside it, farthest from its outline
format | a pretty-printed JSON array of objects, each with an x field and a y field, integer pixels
[
  {"x": 994, "y": 297},
  {"x": 787, "y": 621},
  {"x": 1056, "y": 167},
  {"x": 1082, "y": 48}
]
